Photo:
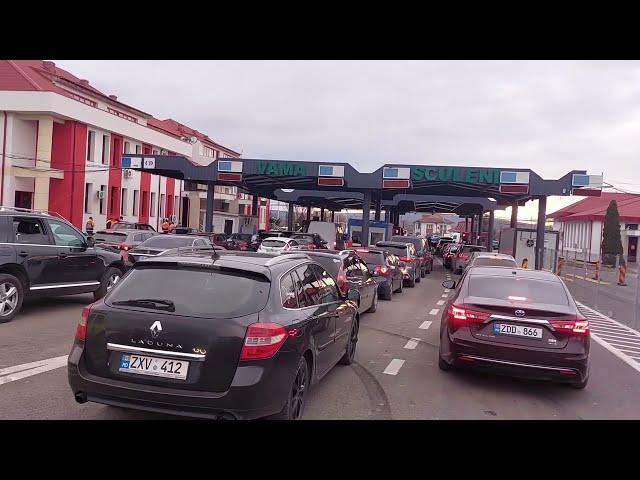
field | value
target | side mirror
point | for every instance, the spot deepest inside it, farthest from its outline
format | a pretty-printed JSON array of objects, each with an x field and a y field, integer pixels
[
  {"x": 353, "y": 295},
  {"x": 90, "y": 242},
  {"x": 450, "y": 284}
]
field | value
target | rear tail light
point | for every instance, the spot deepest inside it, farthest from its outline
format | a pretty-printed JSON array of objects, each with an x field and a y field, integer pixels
[
  {"x": 342, "y": 281},
  {"x": 124, "y": 246},
  {"x": 577, "y": 326},
  {"x": 382, "y": 270},
  {"x": 459, "y": 316},
  {"x": 81, "y": 329},
  {"x": 462, "y": 255},
  {"x": 263, "y": 340},
  {"x": 405, "y": 259}
]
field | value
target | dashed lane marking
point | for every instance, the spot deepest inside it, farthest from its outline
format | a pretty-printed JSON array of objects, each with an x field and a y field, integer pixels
[
  {"x": 394, "y": 367},
  {"x": 614, "y": 336},
  {"x": 412, "y": 344},
  {"x": 18, "y": 372},
  {"x": 446, "y": 290},
  {"x": 426, "y": 324},
  {"x": 434, "y": 311},
  {"x": 444, "y": 295}
]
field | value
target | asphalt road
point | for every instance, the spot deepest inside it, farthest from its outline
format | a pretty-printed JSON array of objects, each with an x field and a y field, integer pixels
[{"x": 412, "y": 388}]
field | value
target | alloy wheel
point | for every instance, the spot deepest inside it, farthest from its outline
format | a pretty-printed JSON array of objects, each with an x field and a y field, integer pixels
[
  {"x": 8, "y": 298},
  {"x": 113, "y": 279},
  {"x": 298, "y": 393}
]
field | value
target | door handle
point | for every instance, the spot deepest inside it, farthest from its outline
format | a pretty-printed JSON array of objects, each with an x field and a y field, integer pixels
[
  {"x": 63, "y": 255},
  {"x": 23, "y": 254}
]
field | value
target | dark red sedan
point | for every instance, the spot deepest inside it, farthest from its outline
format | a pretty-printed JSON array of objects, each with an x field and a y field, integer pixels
[{"x": 516, "y": 322}]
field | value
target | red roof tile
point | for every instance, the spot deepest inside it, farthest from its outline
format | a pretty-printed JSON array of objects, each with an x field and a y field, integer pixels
[
  {"x": 179, "y": 129},
  {"x": 595, "y": 208}
]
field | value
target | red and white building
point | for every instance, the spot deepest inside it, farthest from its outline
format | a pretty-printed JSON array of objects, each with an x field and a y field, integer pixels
[
  {"x": 581, "y": 225},
  {"x": 61, "y": 142}
]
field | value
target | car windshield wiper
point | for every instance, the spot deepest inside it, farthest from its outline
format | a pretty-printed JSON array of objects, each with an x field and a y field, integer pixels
[{"x": 148, "y": 303}]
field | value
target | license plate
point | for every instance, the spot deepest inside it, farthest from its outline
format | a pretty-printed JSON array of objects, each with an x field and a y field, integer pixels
[
  {"x": 517, "y": 330},
  {"x": 153, "y": 366}
]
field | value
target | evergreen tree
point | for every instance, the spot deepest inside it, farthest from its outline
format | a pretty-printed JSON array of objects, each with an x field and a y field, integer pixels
[{"x": 611, "y": 241}]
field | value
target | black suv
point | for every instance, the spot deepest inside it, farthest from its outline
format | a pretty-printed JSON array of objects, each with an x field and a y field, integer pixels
[
  {"x": 44, "y": 255},
  {"x": 233, "y": 335}
]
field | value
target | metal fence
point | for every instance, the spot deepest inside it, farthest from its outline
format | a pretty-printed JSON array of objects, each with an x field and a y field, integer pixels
[{"x": 607, "y": 289}]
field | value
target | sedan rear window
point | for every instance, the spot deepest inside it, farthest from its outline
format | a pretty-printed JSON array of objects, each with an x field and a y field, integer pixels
[
  {"x": 274, "y": 243},
  {"x": 399, "y": 251},
  {"x": 167, "y": 241},
  {"x": 517, "y": 289},
  {"x": 110, "y": 237},
  {"x": 494, "y": 262},
  {"x": 195, "y": 292},
  {"x": 372, "y": 258}
]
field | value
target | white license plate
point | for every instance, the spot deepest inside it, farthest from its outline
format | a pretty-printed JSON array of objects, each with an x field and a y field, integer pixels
[
  {"x": 154, "y": 366},
  {"x": 517, "y": 330}
]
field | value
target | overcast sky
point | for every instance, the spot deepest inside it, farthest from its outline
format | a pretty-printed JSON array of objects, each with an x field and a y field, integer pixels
[{"x": 550, "y": 116}]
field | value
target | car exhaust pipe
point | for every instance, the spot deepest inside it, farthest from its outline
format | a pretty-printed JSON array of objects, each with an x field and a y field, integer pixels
[{"x": 81, "y": 397}]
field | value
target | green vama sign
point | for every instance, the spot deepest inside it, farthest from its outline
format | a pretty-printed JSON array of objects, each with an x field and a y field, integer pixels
[{"x": 281, "y": 169}]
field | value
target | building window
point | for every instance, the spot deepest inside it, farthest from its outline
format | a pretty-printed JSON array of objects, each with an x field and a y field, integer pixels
[
  {"x": 87, "y": 197},
  {"x": 103, "y": 189},
  {"x": 208, "y": 152},
  {"x": 105, "y": 149},
  {"x": 116, "y": 153},
  {"x": 152, "y": 213},
  {"x": 155, "y": 152},
  {"x": 162, "y": 205},
  {"x": 138, "y": 149},
  {"x": 83, "y": 100},
  {"x": 123, "y": 203},
  {"x": 91, "y": 145},
  {"x": 122, "y": 115},
  {"x": 136, "y": 195},
  {"x": 127, "y": 147}
]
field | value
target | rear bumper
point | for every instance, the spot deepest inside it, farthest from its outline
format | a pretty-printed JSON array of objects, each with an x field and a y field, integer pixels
[
  {"x": 558, "y": 366},
  {"x": 255, "y": 392},
  {"x": 384, "y": 284}
]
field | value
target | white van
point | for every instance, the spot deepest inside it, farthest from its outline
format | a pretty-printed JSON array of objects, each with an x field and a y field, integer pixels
[{"x": 332, "y": 233}]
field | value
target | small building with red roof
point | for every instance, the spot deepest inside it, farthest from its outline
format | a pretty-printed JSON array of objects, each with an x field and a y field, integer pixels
[{"x": 581, "y": 224}]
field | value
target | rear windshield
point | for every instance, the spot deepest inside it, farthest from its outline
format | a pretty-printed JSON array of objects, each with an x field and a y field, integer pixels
[
  {"x": 303, "y": 240},
  {"x": 330, "y": 264},
  {"x": 519, "y": 289},
  {"x": 416, "y": 241},
  {"x": 274, "y": 243},
  {"x": 167, "y": 241},
  {"x": 242, "y": 236},
  {"x": 110, "y": 237},
  {"x": 372, "y": 258},
  {"x": 124, "y": 226},
  {"x": 494, "y": 262},
  {"x": 468, "y": 248},
  {"x": 196, "y": 292},
  {"x": 399, "y": 251}
]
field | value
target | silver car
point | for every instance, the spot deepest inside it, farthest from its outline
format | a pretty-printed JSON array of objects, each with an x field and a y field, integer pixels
[
  {"x": 462, "y": 257},
  {"x": 491, "y": 259}
]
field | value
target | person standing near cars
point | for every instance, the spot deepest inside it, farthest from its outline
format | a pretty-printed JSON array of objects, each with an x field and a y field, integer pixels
[
  {"x": 165, "y": 225},
  {"x": 109, "y": 223},
  {"x": 90, "y": 226}
]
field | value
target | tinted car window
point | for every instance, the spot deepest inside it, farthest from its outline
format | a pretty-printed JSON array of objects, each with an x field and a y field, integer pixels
[
  {"x": 167, "y": 241},
  {"x": 196, "y": 292},
  {"x": 328, "y": 289},
  {"x": 311, "y": 289},
  {"x": 30, "y": 231},
  {"x": 399, "y": 251},
  {"x": 416, "y": 242},
  {"x": 273, "y": 243},
  {"x": 288, "y": 292},
  {"x": 494, "y": 262},
  {"x": 110, "y": 237},
  {"x": 65, "y": 235},
  {"x": 471, "y": 248},
  {"x": 533, "y": 291},
  {"x": 331, "y": 263},
  {"x": 372, "y": 258},
  {"x": 352, "y": 268}
]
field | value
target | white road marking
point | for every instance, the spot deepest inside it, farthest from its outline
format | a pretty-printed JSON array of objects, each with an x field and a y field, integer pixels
[
  {"x": 411, "y": 344},
  {"x": 394, "y": 367},
  {"x": 446, "y": 290},
  {"x": 617, "y": 352},
  {"x": 434, "y": 311},
  {"x": 444, "y": 295},
  {"x": 426, "y": 324},
  {"x": 440, "y": 302},
  {"x": 11, "y": 374}
]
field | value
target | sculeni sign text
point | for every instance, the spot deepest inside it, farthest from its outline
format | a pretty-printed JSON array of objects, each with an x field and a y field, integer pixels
[{"x": 456, "y": 174}]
